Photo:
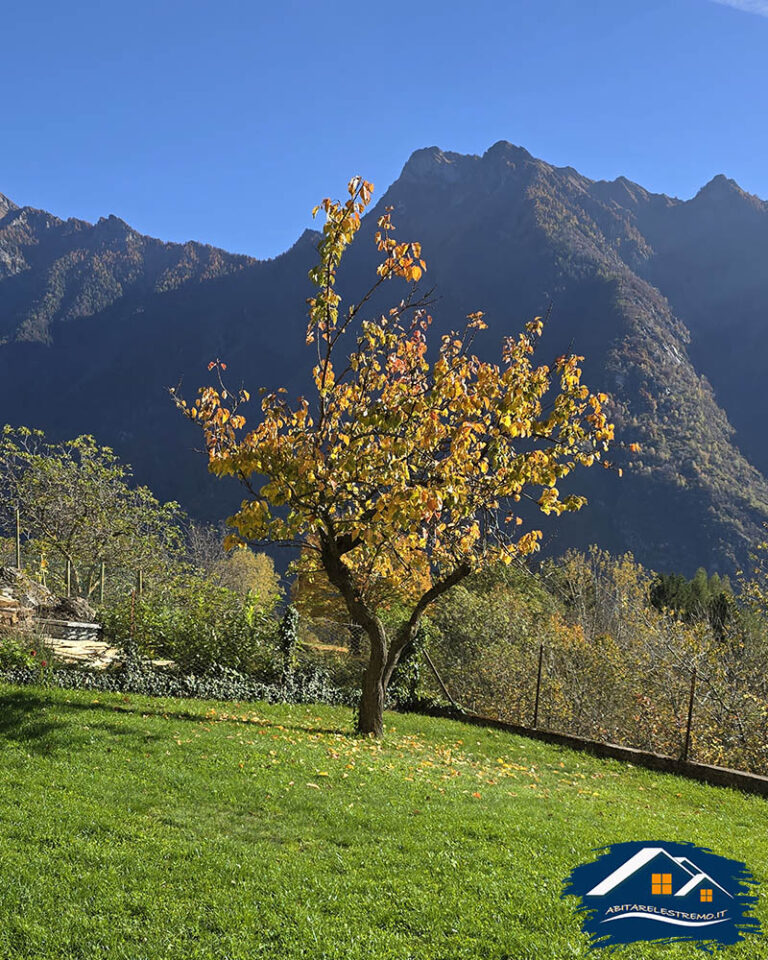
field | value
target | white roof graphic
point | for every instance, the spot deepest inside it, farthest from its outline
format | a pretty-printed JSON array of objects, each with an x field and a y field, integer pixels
[{"x": 644, "y": 856}]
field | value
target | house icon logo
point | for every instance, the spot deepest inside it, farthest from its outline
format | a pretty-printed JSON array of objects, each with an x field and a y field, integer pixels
[{"x": 663, "y": 891}]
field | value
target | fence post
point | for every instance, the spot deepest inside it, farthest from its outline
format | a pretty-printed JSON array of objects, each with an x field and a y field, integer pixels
[
  {"x": 101, "y": 584},
  {"x": 538, "y": 687},
  {"x": 687, "y": 745},
  {"x": 69, "y": 579},
  {"x": 18, "y": 539}
]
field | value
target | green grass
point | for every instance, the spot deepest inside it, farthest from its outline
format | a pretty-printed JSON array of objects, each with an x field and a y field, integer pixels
[{"x": 138, "y": 828}]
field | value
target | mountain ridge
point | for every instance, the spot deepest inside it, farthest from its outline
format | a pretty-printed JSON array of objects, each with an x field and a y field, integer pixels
[{"x": 505, "y": 232}]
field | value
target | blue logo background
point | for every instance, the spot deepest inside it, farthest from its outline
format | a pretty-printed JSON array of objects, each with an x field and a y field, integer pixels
[{"x": 664, "y": 892}]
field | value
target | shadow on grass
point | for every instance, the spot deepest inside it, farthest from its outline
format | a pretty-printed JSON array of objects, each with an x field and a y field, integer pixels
[
  {"x": 221, "y": 716},
  {"x": 32, "y": 719},
  {"x": 23, "y": 716}
]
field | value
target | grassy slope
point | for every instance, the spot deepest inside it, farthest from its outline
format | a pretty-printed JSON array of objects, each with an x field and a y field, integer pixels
[{"x": 139, "y": 828}]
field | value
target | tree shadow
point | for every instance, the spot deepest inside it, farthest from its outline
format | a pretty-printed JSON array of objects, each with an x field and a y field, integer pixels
[
  {"x": 141, "y": 710},
  {"x": 32, "y": 719},
  {"x": 24, "y": 718},
  {"x": 24, "y": 715}
]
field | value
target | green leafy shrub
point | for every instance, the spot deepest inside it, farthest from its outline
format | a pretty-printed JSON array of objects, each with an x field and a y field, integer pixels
[
  {"x": 139, "y": 676},
  {"x": 198, "y": 625},
  {"x": 24, "y": 649},
  {"x": 288, "y": 633}
]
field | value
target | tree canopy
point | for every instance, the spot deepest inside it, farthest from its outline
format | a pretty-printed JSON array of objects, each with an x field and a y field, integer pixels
[
  {"x": 76, "y": 503},
  {"x": 406, "y": 471}
]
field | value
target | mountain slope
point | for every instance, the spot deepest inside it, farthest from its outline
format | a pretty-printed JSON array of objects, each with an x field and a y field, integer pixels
[{"x": 97, "y": 321}]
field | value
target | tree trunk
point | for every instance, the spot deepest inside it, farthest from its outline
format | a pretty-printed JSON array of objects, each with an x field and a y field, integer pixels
[
  {"x": 383, "y": 657},
  {"x": 370, "y": 714},
  {"x": 381, "y": 664}
]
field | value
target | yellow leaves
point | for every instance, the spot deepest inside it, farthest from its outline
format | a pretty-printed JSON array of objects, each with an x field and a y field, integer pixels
[
  {"x": 402, "y": 455},
  {"x": 549, "y": 502},
  {"x": 535, "y": 327},
  {"x": 324, "y": 377}
]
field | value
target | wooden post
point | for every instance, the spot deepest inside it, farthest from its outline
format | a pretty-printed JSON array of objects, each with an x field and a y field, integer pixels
[
  {"x": 133, "y": 610},
  {"x": 140, "y": 583},
  {"x": 439, "y": 679},
  {"x": 18, "y": 539},
  {"x": 101, "y": 583},
  {"x": 69, "y": 579},
  {"x": 538, "y": 687},
  {"x": 687, "y": 745}
]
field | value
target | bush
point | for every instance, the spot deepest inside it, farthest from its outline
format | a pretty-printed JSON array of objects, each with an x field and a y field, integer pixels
[
  {"x": 24, "y": 649},
  {"x": 198, "y": 625},
  {"x": 138, "y": 675}
]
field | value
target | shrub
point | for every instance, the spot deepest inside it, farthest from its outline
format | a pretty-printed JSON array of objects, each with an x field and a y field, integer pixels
[
  {"x": 198, "y": 625},
  {"x": 24, "y": 649},
  {"x": 139, "y": 676}
]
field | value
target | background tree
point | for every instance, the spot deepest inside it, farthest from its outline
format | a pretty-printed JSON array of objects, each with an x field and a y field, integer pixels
[
  {"x": 76, "y": 503},
  {"x": 319, "y": 602},
  {"x": 250, "y": 575},
  {"x": 242, "y": 571},
  {"x": 406, "y": 471}
]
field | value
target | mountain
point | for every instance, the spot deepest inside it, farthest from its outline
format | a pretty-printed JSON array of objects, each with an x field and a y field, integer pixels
[{"x": 667, "y": 300}]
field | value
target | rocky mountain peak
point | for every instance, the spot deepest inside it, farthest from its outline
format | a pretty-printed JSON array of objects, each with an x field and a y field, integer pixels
[
  {"x": 432, "y": 163},
  {"x": 6, "y": 205},
  {"x": 722, "y": 190}
]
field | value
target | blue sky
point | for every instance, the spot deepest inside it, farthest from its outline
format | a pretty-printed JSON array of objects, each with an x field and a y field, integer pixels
[{"x": 226, "y": 122}]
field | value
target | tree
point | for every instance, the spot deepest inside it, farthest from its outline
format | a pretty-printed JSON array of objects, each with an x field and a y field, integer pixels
[
  {"x": 249, "y": 574},
  {"x": 75, "y": 502},
  {"x": 242, "y": 571},
  {"x": 406, "y": 472}
]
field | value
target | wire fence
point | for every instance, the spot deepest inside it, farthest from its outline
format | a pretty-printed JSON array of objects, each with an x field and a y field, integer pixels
[
  {"x": 98, "y": 583},
  {"x": 682, "y": 713}
]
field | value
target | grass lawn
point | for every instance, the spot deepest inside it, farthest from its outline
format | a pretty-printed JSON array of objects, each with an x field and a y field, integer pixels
[{"x": 140, "y": 828}]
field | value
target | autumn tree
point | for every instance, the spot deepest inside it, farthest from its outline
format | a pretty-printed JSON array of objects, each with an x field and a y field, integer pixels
[
  {"x": 250, "y": 575},
  {"x": 406, "y": 469},
  {"x": 242, "y": 571}
]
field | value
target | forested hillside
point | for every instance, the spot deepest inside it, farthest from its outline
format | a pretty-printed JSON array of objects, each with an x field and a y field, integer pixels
[{"x": 667, "y": 300}]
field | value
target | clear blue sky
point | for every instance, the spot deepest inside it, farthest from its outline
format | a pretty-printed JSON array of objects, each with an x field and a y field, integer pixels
[{"x": 227, "y": 121}]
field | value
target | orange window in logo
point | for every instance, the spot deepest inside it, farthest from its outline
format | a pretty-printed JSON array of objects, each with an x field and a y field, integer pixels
[
  {"x": 661, "y": 883},
  {"x": 706, "y": 896}
]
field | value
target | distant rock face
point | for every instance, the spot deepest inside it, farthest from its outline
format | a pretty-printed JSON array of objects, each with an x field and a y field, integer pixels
[{"x": 666, "y": 299}]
